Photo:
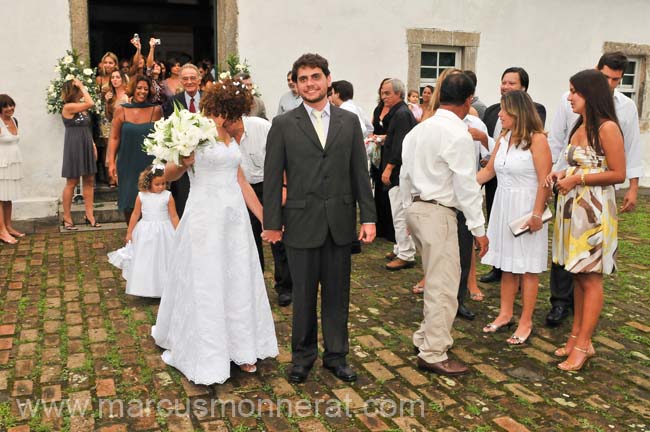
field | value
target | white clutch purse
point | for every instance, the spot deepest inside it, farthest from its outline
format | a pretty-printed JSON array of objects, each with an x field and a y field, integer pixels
[{"x": 515, "y": 225}]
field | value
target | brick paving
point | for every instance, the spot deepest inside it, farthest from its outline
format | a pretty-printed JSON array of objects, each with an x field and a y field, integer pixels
[{"x": 69, "y": 334}]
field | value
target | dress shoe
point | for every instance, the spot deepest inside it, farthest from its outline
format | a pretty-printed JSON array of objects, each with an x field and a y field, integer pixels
[
  {"x": 343, "y": 372},
  {"x": 299, "y": 373},
  {"x": 390, "y": 256},
  {"x": 284, "y": 299},
  {"x": 493, "y": 276},
  {"x": 445, "y": 367},
  {"x": 556, "y": 315},
  {"x": 465, "y": 313},
  {"x": 399, "y": 264}
]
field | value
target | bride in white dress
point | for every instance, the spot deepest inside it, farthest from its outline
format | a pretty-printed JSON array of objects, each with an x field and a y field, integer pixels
[{"x": 214, "y": 308}]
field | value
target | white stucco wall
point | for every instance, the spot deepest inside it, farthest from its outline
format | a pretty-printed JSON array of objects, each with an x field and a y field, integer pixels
[
  {"x": 365, "y": 41},
  {"x": 35, "y": 34}
]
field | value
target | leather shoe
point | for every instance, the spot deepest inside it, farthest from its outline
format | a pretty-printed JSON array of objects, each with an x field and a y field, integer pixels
[
  {"x": 399, "y": 264},
  {"x": 343, "y": 372},
  {"x": 465, "y": 313},
  {"x": 299, "y": 373},
  {"x": 556, "y": 315},
  {"x": 390, "y": 256},
  {"x": 445, "y": 367},
  {"x": 284, "y": 299},
  {"x": 493, "y": 276}
]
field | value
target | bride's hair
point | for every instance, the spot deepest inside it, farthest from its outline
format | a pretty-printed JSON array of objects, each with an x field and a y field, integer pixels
[{"x": 228, "y": 98}]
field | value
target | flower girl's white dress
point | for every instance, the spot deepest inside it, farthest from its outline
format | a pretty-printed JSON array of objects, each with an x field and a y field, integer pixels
[
  {"x": 214, "y": 307},
  {"x": 144, "y": 261}
]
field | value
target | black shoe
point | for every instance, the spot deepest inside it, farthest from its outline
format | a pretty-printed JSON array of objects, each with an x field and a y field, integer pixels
[
  {"x": 465, "y": 313},
  {"x": 284, "y": 299},
  {"x": 299, "y": 373},
  {"x": 493, "y": 276},
  {"x": 556, "y": 315},
  {"x": 356, "y": 247},
  {"x": 343, "y": 372}
]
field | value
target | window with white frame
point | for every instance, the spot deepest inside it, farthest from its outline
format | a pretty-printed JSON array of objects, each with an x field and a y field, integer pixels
[
  {"x": 434, "y": 60},
  {"x": 629, "y": 85}
]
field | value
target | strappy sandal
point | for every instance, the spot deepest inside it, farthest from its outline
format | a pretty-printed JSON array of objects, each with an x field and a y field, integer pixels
[
  {"x": 566, "y": 366},
  {"x": 248, "y": 368},
  {"x": 562, "y": 351},
  {"x": 418, "y": 289},
  {"x": 92, "y": 225},
  {"x": 519, "y": 340},
  {"x": 493, "y": 328},
  {"x": 68, "y": 226}
]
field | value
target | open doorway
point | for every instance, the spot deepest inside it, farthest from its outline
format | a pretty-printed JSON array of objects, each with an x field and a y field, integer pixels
[{"x": 185, "y": 27}]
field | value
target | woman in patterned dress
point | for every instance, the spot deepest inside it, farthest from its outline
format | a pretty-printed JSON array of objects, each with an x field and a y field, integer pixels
[{"x": 585, "y": 237}]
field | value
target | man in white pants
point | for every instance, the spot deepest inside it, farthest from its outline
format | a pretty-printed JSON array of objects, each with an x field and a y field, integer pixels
[{"x": 398, "y": 122}]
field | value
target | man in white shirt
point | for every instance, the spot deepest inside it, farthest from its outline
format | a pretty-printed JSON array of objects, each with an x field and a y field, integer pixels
[
  {"x": 342, "y": 94},
  {"x": 612, "y": 65},
  {"x": 250, "y": 133},
  {"x": 290, "y": 99},
  {"x": 440, "y": 179}
]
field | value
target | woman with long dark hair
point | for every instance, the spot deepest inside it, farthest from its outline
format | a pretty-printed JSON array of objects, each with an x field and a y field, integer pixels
[
  {"x": 585, "y": 237},
  {"x": 125, "y": 158}
]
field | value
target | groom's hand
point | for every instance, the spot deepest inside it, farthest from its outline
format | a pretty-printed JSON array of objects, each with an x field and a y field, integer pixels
[
  {"x": 367, "y": 233},
  {"x": 272, "y": 236}
]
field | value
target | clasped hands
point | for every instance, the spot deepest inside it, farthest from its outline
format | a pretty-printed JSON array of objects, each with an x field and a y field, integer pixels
[{"x": 367, "y": 234}]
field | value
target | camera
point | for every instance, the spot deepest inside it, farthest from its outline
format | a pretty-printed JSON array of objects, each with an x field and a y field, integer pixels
[
  {"x": 136, "y": 37},
  {"x": 157, "y": 41}
]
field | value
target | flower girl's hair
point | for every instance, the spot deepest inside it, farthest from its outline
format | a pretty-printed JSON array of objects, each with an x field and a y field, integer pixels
[{"x": 147, "y": 176}]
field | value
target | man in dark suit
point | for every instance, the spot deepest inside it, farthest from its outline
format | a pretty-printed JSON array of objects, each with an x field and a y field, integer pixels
[
  {"x": 189, "y": 100},
  {"x": 320, "y": 147},
  {"x": 513, "y": 78}
]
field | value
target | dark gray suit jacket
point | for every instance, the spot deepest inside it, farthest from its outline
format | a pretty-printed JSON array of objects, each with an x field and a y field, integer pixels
[{"x": 324, "y": 185}]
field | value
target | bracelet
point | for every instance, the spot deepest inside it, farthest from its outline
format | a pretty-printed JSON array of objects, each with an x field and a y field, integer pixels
[
  {"x": 537, "y": 216},
  {"x": 284, "y": 185},
  {"x": 582, "y": 179}
]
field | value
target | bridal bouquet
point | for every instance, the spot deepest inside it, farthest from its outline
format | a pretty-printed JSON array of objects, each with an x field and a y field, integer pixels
[
  {"x": 179, "y": 135},
  {"x": 67, "y": 68}
]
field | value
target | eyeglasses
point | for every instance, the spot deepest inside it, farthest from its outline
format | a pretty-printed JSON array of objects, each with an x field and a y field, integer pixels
[{"x": 190, "y": 79}]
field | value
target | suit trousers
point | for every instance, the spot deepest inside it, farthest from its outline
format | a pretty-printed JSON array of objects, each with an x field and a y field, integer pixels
[
  {"x": 329, "y": 265},
  {"x": 435, "y": 231},
  {"x": 466, "y": 249},
  {"x": 404, "y": 246},
  {"x": 561, "y": 282},
  {"x": 281, "y": 273},
  {"x": 180, "y": 190}
]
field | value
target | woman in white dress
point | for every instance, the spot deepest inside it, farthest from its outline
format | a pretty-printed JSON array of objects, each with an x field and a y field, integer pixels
[
  {"x": 214, "y": 308},
  {"x": 521, "y": 163},
  {"x": 10, "y": 168}
]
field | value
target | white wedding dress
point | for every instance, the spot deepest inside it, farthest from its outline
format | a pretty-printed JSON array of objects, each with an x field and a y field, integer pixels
[{"x": 214, "y": 308}]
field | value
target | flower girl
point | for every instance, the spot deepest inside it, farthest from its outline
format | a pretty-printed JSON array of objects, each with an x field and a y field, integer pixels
[{"x": 148, "y": 241}]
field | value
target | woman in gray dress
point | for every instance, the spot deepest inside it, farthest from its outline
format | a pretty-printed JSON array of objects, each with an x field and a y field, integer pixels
[{"x": 79, "y": 151}]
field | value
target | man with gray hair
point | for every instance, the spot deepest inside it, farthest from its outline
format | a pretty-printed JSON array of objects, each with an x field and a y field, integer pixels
[{"x": 397, "y": 123}]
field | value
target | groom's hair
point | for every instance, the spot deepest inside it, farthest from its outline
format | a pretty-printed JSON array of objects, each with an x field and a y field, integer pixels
[{"x": 309, "y": 60}]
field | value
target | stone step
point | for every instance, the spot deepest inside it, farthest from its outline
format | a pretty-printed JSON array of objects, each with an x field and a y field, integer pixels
[{"x": 105, "y": 212}]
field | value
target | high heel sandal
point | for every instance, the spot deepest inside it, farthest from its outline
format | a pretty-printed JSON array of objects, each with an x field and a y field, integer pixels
[
  {"x": 93, "y": 225},
  {"x": 68, "y": 226},
  {"x": 562, "y": 351},
  {"x": 519, "y": 340},
  {"x": 566, "y": 366},
  {"x": 9, "y": 241},
  {"x": 493, "y": 328}
]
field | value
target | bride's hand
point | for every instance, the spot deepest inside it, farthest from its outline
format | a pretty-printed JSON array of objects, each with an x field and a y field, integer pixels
[{"x": 188, "y": 161}]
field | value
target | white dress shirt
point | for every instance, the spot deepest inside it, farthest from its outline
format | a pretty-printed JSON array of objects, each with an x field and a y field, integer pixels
[
  {"x": 481, "y": 152},
  {"x": 197, "y": 99},
  {"x": 253, "y": 148},
  {"x": 439, "y": 163},
  {"x": 325, "y": 118},
  {"x": 348, "y": 105},
  {"x": 628, "y": 119}
]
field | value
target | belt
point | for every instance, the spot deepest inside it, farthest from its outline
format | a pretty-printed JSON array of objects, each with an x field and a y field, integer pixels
[{"x": 432, "y": 201}]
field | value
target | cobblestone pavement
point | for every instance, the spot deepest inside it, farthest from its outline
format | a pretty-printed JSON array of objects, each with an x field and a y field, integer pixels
[{"x": 71, "y": 340}]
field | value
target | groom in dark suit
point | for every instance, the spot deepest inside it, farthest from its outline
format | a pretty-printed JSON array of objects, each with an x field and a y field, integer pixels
[
  {"x": 320, "y": 147},
  {"x": 189, "y": 99}
]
